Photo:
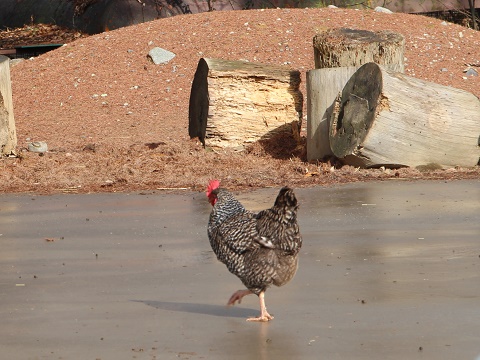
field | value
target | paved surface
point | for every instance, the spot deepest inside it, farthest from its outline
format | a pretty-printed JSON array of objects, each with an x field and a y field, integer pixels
[{"x": 388, "y": 271}]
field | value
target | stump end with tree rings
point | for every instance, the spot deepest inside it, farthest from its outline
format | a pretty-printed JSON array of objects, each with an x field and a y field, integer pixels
[{"x": 354, "y": 110}]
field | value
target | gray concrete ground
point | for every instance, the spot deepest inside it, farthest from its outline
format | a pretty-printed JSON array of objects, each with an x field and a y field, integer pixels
[{"x": 388, "y": 271}]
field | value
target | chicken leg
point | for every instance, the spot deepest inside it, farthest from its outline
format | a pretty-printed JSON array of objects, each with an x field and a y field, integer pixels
[{"x": 264, "y": 315}]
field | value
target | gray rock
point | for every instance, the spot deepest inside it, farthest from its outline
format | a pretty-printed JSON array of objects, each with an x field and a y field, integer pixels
[
  {"x": 471, "y": 72},
  {"x": 383, "y": 10},
  {"x": 38, "y": 147},
  {"x": 160, "y": 56}
]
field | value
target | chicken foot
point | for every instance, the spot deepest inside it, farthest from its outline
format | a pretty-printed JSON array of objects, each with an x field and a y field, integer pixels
[{"x": 264, "y": 315}]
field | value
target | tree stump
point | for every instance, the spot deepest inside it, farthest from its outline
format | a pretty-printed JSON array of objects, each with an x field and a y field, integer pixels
[
  {"x": 348, "y": 49},
  {"x": 383, "y": 118},
  {"x": 233, "y": 103},
  {"x": 8, "y": 135}
]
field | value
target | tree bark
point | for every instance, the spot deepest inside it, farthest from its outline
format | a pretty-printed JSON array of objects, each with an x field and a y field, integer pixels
[
  {"x": 8, "y": 135},
  {"x": 338, "y": 54},
  {"x": 383, "y": 118},
  {"x": 233, "y": 103}
]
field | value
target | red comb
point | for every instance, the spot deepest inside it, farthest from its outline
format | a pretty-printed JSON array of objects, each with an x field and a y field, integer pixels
[{"x": 212, "y": 185}]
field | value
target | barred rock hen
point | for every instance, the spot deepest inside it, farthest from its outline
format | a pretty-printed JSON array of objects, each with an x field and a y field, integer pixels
[{"x": 259, "y": 248}]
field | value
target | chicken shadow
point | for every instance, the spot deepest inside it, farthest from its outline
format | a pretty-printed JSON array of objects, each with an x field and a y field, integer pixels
[{"x": 206, "y": 309}]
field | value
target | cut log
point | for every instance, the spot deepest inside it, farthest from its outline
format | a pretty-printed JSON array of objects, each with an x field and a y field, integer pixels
[
  {"x": 348, "y": 47},
  {"x": 234, "y": 103},
  {"x": 383, "y": 118},
  {"x": 323, "y": 86},
  {"x": 8, "y": 135},
  {"x": 338, "y": 54}
]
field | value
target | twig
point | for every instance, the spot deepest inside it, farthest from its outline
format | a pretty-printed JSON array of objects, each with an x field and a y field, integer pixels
[{"x": 173, "y": 188}]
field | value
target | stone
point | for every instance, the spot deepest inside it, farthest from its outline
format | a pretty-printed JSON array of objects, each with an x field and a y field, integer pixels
[
  {"x": 471, "y": 72},
  {"x": 383, "y": 10},
  {"x": 38, "y": 147},
  {"x": 160, "y": 56}
]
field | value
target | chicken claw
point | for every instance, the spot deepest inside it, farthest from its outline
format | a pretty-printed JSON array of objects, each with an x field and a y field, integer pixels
[
  {"x": 237, "y": 296},
  {"x": 264, "y": 315},
  {"x": 262, "y": 318}
]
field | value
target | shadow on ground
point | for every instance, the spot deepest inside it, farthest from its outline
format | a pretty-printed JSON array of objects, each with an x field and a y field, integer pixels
[{"x": 206, "y": 309}]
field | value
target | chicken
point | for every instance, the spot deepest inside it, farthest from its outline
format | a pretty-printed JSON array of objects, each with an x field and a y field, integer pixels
[{"x": 261, "y": 249}]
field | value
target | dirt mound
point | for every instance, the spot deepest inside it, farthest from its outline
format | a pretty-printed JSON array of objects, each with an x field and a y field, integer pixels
[{"x": 100, "y": 103}]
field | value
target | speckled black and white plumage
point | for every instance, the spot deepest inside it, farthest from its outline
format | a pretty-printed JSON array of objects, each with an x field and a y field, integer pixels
[{"x": 260, "y": 248}]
